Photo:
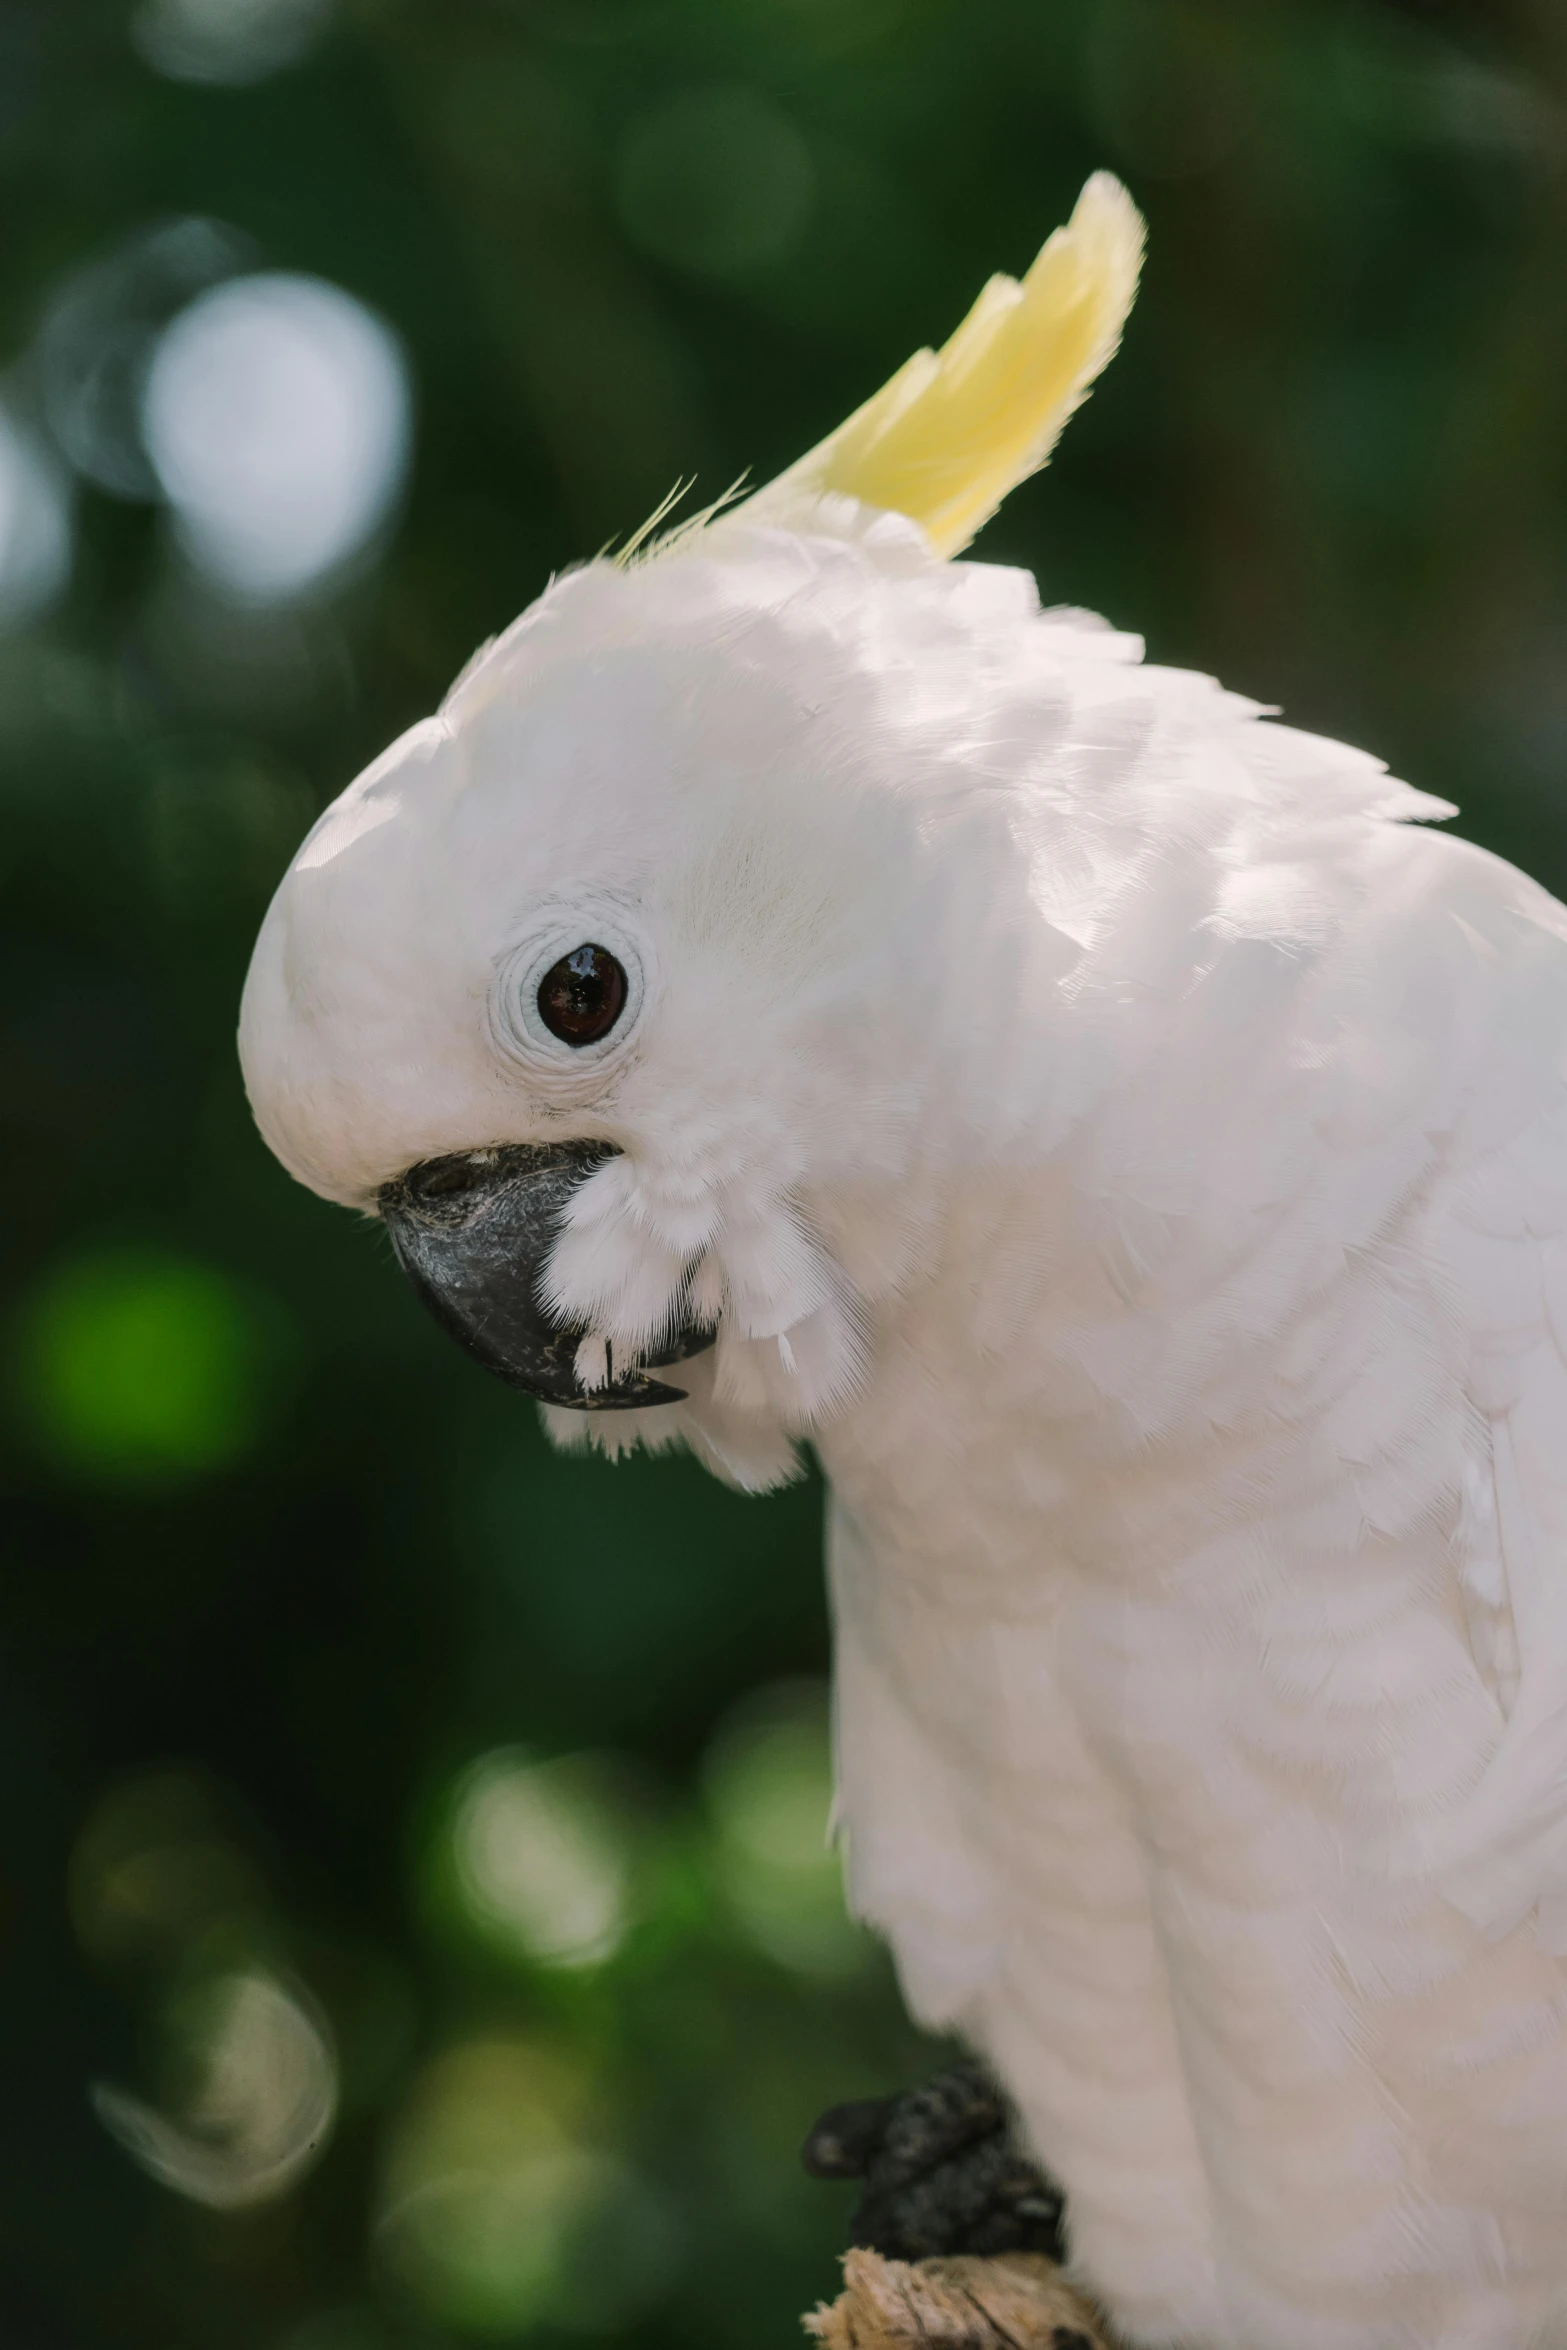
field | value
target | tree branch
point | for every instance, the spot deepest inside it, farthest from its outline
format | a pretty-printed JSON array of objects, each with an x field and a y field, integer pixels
[{"x": 1015, "y": 2301}]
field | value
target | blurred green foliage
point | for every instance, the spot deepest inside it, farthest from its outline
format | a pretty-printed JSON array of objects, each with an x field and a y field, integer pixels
[
  {"x": 142, "y": 1367},
  {"x": 414, "y": 1922}
]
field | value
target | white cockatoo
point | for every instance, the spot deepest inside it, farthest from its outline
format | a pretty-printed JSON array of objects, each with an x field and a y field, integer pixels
[{"x": 1131, "y": 1147}]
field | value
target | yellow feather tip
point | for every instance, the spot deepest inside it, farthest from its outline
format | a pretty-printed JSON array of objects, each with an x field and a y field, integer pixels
[{"x": 955, "y": 429}]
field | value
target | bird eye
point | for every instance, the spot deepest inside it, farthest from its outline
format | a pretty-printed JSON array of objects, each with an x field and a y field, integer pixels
[{"x": 582, "y": 996}]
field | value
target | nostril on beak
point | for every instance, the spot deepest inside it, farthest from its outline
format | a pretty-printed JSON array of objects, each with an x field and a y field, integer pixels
[
  {"x": 444, "y": 1189},
  {"x": 444, "y": 1178}
]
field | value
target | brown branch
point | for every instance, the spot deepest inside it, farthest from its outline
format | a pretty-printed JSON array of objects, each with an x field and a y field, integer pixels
[{"x": 1017, "y": 2301}]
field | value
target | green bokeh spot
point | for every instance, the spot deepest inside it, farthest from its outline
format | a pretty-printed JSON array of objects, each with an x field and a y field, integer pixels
[{"x": 146, "y": 1369}]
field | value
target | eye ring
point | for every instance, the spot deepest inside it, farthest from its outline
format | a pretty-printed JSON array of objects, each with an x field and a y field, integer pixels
[
  {"x": 580, "y": 998},
  {"x": 514, "y": 1015}
]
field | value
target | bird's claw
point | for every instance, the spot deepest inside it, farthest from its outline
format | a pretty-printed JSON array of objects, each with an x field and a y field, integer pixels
[{"x": 943, "y": 2171}]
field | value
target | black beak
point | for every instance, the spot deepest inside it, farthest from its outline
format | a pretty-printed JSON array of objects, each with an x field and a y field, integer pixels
[{"x": 472, "y": 1233}]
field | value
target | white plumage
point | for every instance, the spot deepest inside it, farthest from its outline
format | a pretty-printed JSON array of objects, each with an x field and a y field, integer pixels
[{"x": 1135, "y": 1153}]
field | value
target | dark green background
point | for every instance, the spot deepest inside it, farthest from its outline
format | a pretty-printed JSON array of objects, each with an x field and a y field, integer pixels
[{"x": 280, "y": 1564}]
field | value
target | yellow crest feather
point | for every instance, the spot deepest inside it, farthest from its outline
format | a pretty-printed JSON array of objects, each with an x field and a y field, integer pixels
[{"x": 955, "y": 429}]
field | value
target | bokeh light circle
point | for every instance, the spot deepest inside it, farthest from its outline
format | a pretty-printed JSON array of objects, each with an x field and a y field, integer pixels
[
  {"x": 227, "y": 43},
  {"x": 716, "y": 180},
  {"x": 503, "y": 2208},
  {"x": 35, "y": 524},
  {"x": 277, "y": 415},
  {"x": 265, "y": 2101},
  {"x": 541, "y": 1857},
  {"x": 769, "y": 1783},
  {"x": 144, "y": 1368},
  {"x": 98, "y": 334}
]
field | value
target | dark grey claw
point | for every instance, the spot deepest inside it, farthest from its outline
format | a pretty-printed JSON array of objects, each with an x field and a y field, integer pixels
[
  {"x": 942, "y": 2169},
  {"x": 841, "y": 2143}
]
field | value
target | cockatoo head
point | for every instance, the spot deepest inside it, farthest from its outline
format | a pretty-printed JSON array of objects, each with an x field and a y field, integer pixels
[{"x": 620, "y": 988}]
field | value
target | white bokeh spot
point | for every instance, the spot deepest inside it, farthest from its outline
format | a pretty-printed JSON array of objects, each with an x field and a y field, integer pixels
[
  {"x": 277, "y": 416},
  {"x": 540, "y": 1860},
  {"x": 227, "y": 42},
  {"x": 35, "y": 525},
  {"x": 263, "y": 2112}
]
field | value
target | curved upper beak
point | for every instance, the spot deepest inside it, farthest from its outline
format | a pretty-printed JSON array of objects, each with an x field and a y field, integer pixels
[{"x": 473, "y": 1231}]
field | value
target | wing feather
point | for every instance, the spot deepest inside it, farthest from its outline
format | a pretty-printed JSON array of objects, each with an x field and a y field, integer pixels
[{"x": 1499, "y": 1245}]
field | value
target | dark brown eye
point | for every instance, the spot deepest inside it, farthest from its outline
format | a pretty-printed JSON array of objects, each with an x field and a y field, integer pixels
[{"x": 583, "y": 995}]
